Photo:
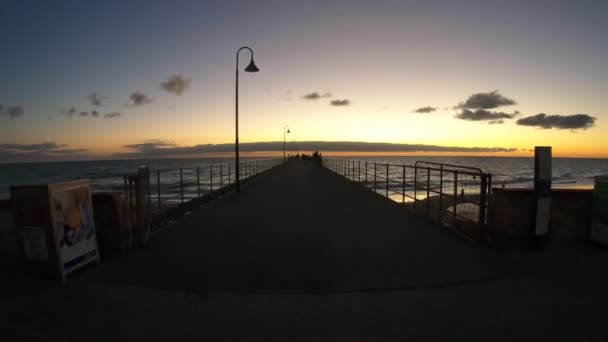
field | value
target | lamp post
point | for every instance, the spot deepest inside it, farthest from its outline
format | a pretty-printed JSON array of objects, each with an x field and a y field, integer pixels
[
  {"x": 250, "y": 68},
  {"x": 284, "y": 159}
]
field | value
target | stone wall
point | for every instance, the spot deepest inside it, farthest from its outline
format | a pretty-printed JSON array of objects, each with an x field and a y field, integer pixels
[{"x": 511, "y": 216}]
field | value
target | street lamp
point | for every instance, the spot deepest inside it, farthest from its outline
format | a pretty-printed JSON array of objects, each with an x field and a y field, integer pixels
[
  {"x": 250, "y": 68},
  {"x": 284, "y": 141}
]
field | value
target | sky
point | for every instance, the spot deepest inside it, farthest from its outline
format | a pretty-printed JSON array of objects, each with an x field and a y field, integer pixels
[{"x": 122, "y": 79}]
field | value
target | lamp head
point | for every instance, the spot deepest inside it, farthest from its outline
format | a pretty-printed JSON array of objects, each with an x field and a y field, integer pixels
[
  {"x": 288, "y": 131},
  {"x": 252, "y": 67}
]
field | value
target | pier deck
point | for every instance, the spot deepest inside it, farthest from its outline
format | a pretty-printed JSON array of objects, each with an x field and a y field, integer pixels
[{"x": 303, "y": 254}]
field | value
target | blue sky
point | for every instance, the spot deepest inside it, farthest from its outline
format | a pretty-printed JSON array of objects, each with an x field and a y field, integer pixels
[{"x": 386, "y": 57}]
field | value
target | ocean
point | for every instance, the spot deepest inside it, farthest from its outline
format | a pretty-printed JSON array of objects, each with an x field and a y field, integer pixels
[{"x": 512, "y": 172}]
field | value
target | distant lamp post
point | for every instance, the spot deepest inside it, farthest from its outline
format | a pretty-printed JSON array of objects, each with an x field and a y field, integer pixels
[
  {"x": 284, "y": 159},
  {"x": 250, "y": 68}
]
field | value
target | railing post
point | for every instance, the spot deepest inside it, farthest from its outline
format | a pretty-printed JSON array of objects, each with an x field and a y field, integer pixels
[
  {"x": 198, "y": 182},
  {"x": 348, "y": 169},
  {"x": 455, "y": 199},
  {"x": 181, "y": 184},
  {"x": 359, "y": 171},
  {"x": 482, "y": 208},
  {"x": 403, "y": 187},
  {"x": 228, "y": 173},
  {"x": 387, "y": 182},
  {"x": 158, "y": 189},
  {"x": 440, "y": 192},
  {"x": 415, "y": 185},
  {"x": 366, "y": 174},
  {"x": 428, "y": 191},
  {"x": 125, "y": 187},
  {"x": 211, "y": 178},
  {"x": 221, "y": 177},
  {"x": 375, "y": 175},
  {"x": 149, "y": 191}
]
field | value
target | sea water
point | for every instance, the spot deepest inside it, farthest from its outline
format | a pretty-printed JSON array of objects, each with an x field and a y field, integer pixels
[{"x": 507, "y": 171}]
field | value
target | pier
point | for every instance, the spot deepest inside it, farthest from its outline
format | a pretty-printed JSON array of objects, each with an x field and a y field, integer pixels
[{"x": 304, "y": 254}]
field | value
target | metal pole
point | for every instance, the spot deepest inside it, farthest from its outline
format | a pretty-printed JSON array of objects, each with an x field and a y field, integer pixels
[
  {"x": 387, "y": 166},
  {"x": 482, "y": 208},
  {"x": 158, "y": 188},
  {"x": 236, "y": 112},
  {"x": 415, "y": 185},
  {"x": 375, "y": 174},
  {"x": 211, "y": 178},
  {"x": 236, "y": 141},
  {"x": 125, "y": 188},
  {"x": 149, "y": 190},
  {"x": 403, "y": 187},
  {"x": 440, "y": 214},
  {"x": 181, "y": 184},
  {"x": 455, "y": 199},
  {"x": 428, "y": 191},
  {"x": 198, "y": 182},
  {"x": 366, "y": 174}
]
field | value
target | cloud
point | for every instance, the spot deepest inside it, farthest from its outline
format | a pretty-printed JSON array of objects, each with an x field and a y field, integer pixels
[
  {"x": 112, "y": 115},
  {"x": 94, "y": 113},
  {"x": 496, "y": 122},
  {"x": 96, "y": 100},
  {"x": 138, "y": 98},
  {"x": 339, "y": 103},
  {"x": 40, "y": 147},
  {"x": 315, "y": 95},
  {"x": 575, "y": 121},
  {"x": 485, "y": 115},
  {"x": 12, "y": 112},
  {"x": 489, "y": 100},
  {"x": 150, "y": 145},
  {"x": 83, "y": 113},
  {"x": 68, "y": 151},
  {"x": 10, "y": 152},
  {"x": 161, "y": 148},
  {"x": 69, "y": 112},
  {"x": 425, "y": 110},
  {"x": 176, "y": 85}
]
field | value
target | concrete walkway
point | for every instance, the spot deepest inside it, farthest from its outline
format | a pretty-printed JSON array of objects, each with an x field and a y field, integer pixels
[{"x": 302, "y": 254}]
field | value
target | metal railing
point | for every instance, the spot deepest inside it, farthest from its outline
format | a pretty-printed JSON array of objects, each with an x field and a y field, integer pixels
[
  {"x": 167, "y": 188},
  {"x": 452, "y": 195},
  {"x": 171, "y": 187}
]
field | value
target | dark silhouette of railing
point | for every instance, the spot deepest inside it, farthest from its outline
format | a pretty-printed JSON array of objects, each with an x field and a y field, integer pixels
[
  {"x": 175, "y": 186},
  {"x": 452, "y": 195},
  {"x": 151, "y": 192}
]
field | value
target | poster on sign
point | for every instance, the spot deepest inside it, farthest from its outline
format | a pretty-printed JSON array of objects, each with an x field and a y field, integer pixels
[{"x": 73, "y": 224}]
